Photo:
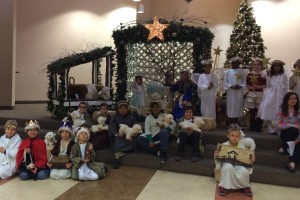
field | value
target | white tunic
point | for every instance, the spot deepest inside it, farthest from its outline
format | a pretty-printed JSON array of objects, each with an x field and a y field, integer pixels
[
  {"x": 277, "y": 87},
  {"x": 138, "y": 96},
  {"x": 8, "y": 160},
  {"x": 85, "y": 173},
  {"x": 208, "y": 97},
  {"x": 235, "y": 98},
  {"x": 234, "y": 176}
]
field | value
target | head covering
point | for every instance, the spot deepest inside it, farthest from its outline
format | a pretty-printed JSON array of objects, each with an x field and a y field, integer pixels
[
  {"x": 81, "y": 130},
  {"x": 122, "y": 103},
  {"x": 235, "y": 59},
  {"x": 277, "y": 62},
  {"x": 65, "y": 126},
  {"x": 207, "y": 62},
  {"x": 257, "y": 59},
  {"x": 32, "y": 124},
  {"x": 296, "y": 63},
  {"x": 11, "y": 124}
]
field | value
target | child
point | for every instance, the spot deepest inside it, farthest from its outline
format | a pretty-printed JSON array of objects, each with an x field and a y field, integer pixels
[
  {"x": 207, "y": 83},
  {"x": 100, "y": 139},
  {"x": 277, "y": 86},
  {"x": 294, "y": 80},
  {"x": 234, "y": 84},
  {"x": 62, "y": 148},
  {"x": 184, "y": 88},
  {"x": 82, "y": 157},
  {"x": 9, "y": 145},
  {"x": 82, "y": 109},
  {"x": 32, "y": 154},
  {"x": 288, "y": 119},
  {"x": 188, "y": 136},
  {"x": 233, "y": 176},
  {"x": 155, "y": 133},
  {"x": 138, "y": 94},
  {"x": 119, "y": 143},
  {"x": 255, "y": 83}
]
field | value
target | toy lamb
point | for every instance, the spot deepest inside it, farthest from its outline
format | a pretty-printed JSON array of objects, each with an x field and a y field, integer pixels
[
  {"x": 168, "y": 120},
  {"x": 50, "y": 138},
  {"x": 130, "y": 132},
  {"x": 77, "y": 122},
  {"x": 247, "y": 142},
  {"x": 100, "y": 126},
  {"x": 196, "y": 125}
]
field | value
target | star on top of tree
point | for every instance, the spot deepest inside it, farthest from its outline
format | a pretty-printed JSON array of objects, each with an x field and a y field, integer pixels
[
  {"x": 217, "y": 51},
  {"x": 156, "y": 29}
]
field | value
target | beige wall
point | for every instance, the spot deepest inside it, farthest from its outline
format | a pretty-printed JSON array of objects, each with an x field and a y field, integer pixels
[{"x": 46, "y": 28}]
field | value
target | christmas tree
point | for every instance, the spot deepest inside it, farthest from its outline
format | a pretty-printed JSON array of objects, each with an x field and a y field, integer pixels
[{"x": 245, "y": 40}]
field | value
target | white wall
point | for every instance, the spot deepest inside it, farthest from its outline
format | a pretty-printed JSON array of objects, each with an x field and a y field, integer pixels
[{"x": 47, "y": 28}]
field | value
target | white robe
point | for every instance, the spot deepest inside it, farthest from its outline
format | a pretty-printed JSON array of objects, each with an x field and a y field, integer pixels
[
  {"x": 85, "y": 173},
  {"x": 8, "y": 160},
  {"x": 138, "y": 96},
  {"x": 296, "y": 89},
  {"x": 277, "y": 87},
  {"x": 235, "y": 98},
  {"x": 234, "y": 176},
  {"x": 208, "y": 97}
]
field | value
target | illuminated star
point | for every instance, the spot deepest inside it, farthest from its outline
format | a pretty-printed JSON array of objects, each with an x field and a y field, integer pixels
[
  {"x": 253, "y": 79},
  {"x": 217, "y": 51},
  {"x": 266, "y": 61},
  {"x": 156, "y": 29},
  {"x": 238, "y": 76}
]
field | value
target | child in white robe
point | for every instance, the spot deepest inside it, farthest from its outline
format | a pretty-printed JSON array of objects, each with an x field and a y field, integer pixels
[
  {"x": 294, "y": 80},
  {"x": 9, "y": 145},
  {"x": 138, "y": 94},
  {"x": 234, "y": 84},
  {"x": 233, "y": 176},
  {"x": 207, "y": 83},
  {"x": 277, "y": 87}
]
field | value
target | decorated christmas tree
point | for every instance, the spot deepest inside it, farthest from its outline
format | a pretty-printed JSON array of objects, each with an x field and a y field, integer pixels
[{"x": 245, "y": 40}]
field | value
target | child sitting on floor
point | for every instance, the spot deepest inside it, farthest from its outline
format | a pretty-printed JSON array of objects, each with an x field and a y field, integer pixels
[
  {"x": 62, "y": 148},
  {"x": 32, "y": 154},
  {"x": 233, "y": 176},
  {"x": 9, "y": 145},
  {"x": 188, "y": 136},
  {"x": 82, "y": 157}
]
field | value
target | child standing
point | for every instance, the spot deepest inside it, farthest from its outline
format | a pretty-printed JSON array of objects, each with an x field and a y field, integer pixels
[
  {"x": 155, "y": 132},
  {"x": 234, "y": 84},
  {"x": 277, "y": 87},
  {"x": 255, "y": 83},
  {"x": 100, "y": 139},
  {"x": 234, "y": 176},
  {"x": 138, "y": 94},
  {"x": 32, "y": 154},
  {"x": 62, "y": 148},
  {"x": 119, "y": 143},
  {"x": 82, "y": 157},
  {"x": 208, "y": 83},
  {"x": 9, "y": 145},
  {"x": 188, "y": 136},
  {"x": 294, "y": 80}
]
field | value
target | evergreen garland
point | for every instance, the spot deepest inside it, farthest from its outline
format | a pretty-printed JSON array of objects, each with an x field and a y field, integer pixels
[
  {"x": 50, "y": 105},
  {"x": 176, "y": 31}
]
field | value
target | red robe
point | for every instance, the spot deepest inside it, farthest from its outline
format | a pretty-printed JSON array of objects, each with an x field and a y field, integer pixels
[
  {"x": 255, "y": 79},
  {"x": 39, "y": 152}
]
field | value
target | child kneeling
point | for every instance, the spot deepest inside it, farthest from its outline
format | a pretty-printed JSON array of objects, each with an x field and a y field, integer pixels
[
  {"x": 233, "y": 176},
  {"x": 82, "y": 157}
]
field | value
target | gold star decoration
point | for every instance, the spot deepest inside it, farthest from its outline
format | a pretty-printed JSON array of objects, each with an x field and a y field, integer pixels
[
  {"x": 253, "y": 79},
  {"x": 217, "y": 51},
  {"x": 238, "y": 76},
  {"x": 156, "y": 29},
  {"x": 266, "y": 61}
]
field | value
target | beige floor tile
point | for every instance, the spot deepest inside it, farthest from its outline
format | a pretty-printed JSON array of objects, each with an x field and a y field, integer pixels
[
  {"x": 168, "y": 185},
  {"x": 273, "y": 192},
  {"x": 28, "y": 190}
]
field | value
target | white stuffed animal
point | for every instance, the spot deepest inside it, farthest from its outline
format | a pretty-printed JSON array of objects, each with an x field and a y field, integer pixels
[
  {"x": 196, "y": 125},
  {"x": 163, "y": 101},
  {"x": 167, "y": 121},
  {"x": 247, "y": 142},
  {"x": 130, "y": 132},
  {"x": 50, "y": 138},
  {"x": 100, "y": 126},
  {"x": 105, "y": 93},
  {"x": 77, "y": 122}
]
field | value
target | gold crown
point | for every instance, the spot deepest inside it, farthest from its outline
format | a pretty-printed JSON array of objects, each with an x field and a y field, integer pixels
[{"x": 32, "y": 124}]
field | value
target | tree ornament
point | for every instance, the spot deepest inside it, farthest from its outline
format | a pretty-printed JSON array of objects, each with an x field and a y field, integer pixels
[{"x": 156, "y": 29}]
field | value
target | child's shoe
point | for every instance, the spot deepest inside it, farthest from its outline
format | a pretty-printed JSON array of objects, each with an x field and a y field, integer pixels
[
  {"x": 116, "y": 163},
  {"x": 195, "y": 157},
  {"x": 248, "y": 192},
  {"x": 163, "y": 157},
  {"x": 222, "y": 191}
]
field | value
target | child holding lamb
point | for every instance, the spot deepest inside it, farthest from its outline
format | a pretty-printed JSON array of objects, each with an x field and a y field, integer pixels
[
  {"x": 82, "y": 157},
  {"x": 155, "y": 132},
  {"x": 62, "y": 148},
  {"x": 233, "y": 176},
  {"x": 32, "y": 154},
  {"x": 9, "y": 145},
  {"x": 118, "y": 141},
  {"x": 189, "y": 136}
]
